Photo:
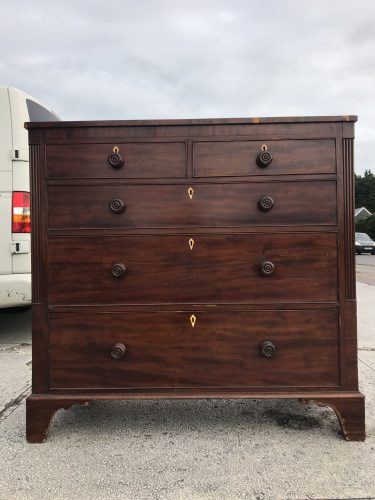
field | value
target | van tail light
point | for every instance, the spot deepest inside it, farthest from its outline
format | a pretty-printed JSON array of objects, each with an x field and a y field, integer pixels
[{"x": 21, "y": 212}]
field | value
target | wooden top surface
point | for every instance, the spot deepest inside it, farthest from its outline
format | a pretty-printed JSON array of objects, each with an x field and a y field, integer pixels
[{"x": 198, "y": 121}]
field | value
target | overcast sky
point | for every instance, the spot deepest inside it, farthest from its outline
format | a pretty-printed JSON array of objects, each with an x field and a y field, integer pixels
[{"x": 113, "y": 59}]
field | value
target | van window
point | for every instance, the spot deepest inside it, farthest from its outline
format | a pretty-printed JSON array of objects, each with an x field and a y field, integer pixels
[
  {"x": 362, "y": 237},
  {"x": 38, "y": 113}
]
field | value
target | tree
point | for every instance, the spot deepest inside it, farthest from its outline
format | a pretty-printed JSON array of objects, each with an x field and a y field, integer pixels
[
  {"x": 366, "y": 226},
  {"x": 365, "y": 191}
]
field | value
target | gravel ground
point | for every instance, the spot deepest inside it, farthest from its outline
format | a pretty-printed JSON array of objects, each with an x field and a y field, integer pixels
[{"x": 183, "y": 449}]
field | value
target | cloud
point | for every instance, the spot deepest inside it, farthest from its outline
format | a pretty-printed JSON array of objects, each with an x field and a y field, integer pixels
[{"x": 167, "y": 59}]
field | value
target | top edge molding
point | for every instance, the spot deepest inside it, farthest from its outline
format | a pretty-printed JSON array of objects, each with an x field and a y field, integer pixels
[{"x": 199, "y": 121}]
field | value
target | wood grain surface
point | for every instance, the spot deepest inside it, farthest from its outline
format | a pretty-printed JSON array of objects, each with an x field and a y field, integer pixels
[
  {"x": 223, "y": 349},
  {"x": 212, "y": 205},
  {"x": 141, "y": 160},
  {"x": 218, "y": 269},
  {"x": 189, "y": 270},
  {"x": 223, "y": 158}
]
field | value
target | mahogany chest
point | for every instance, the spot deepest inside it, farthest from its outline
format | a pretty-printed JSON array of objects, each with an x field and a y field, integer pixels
[{"x": 193, "y": 259}]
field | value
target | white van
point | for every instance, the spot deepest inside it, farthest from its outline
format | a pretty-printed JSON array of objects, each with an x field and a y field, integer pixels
[{"x": 16, "y": 108}]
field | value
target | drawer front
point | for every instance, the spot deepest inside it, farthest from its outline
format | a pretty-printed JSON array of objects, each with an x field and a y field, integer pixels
[
  {"x": 140, "y": 160},
  {"x": 207, "y": 205},
  {"x": 161, "y": 350},
  {"x": 241, "y": 158},
  {"x": 193, "y": 269}
]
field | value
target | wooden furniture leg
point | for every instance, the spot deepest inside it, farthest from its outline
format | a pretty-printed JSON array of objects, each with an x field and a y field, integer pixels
[
  {"x": 39, "y": 414},
  {"x": 350, "y": 411}
]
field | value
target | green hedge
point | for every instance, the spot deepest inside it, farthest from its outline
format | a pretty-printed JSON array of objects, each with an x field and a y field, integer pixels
[
  {"x": 365, "y": 191},
  {"x": 366, "y": 226}
]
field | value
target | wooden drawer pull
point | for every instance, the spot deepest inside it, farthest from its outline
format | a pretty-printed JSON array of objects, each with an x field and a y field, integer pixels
[
  {"x": 118, "y": 270},
  {"x": 118, "y": 351},
  {"x": 115, "y": 160},
  {"x": 265, "y": 203},
  {"x": 267, "y": 349},
  {"x": 267, "y": 268},
  {"x": 117, "y": 206},
  {"x": 264, "y": 158}
]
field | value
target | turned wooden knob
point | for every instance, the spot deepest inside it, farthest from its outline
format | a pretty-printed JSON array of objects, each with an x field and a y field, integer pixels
[
  {"x": 118, "y": 351},
  {"x": 115, "y": 160},
  {"x": 267, "y": 268},
  {"x": 264, "y": 158},
  {"x": 118, "y": 270},
  {"x": 267, "y": 349},
  {"x": 117, "y": 206},
  {"x": 265, "y": 203}
]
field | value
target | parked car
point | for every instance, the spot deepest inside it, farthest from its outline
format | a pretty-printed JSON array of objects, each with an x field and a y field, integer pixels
[
  {"x": 364, "y": 244},
  {"x": 16, "y": 108}
]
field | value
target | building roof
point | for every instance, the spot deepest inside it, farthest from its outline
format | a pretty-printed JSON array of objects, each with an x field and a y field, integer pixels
[{"x": 360, "y": 209}]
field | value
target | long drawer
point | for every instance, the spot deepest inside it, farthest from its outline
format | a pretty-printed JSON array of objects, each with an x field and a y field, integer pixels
[
  {"x": 241, "y": 158},
  {"x": 222, "y": 349},
  {"x": 239, "y": 268},
  {"x": 199, "y": 205},
  {"x": 140, "y": 160}
]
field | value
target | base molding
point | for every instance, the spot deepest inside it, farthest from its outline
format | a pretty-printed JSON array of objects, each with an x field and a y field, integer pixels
[{"x": 348, "y": 406}]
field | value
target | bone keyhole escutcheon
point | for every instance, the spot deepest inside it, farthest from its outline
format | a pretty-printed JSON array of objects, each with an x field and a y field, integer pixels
[
  {"x": 190, "y": 192},
  {"x": 191, "y": 243},
  {"x": 193, "y": 320}
]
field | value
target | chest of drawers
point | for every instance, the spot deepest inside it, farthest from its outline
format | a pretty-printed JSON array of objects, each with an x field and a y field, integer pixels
[{"x": 193, "y": 259}]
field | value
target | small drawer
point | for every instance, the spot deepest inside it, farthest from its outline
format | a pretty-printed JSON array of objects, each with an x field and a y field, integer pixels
[
  {"x": 149, "y": 160},
  {"x": 218, "y": 269},
  {"x": 242, "y": 158},
  {"x": 291, "y": 349},
  {"x": 198, "y": 205}
]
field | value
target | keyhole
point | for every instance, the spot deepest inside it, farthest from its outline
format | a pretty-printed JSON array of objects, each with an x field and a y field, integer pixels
[
  {"x": 116, "y": 149},
  {"x": 190, "y": 192},
  {"x": 193, "y": 320},
  {"x": 264, "y": 147},
  {"x": 191, "y": 243}
]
